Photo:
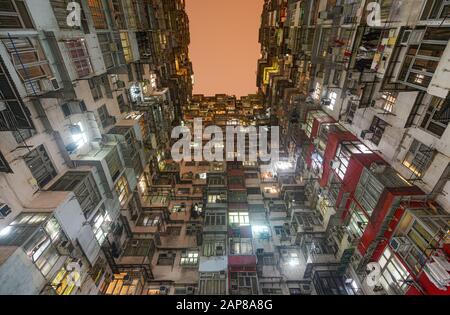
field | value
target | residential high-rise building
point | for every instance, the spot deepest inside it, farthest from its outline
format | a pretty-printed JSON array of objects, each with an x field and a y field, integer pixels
[
  {"x": 85, "y": 116},
  {"x": 366, "y": 103}
]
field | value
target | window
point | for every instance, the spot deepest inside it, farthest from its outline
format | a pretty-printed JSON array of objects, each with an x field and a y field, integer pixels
[
  {"x": 61, "y": 283},
  {"x": 378, "y": 126},
  {"x": 344, "y": 153},
  {"x": 394, "y": 276},
  {"x": 216, "y": 181},
  {"x": 217, "y": 198},
  {"x": 126, "y": 46},
  {"x": 178, "y": 208},
  {"x": 436, "y": 9},
  {"x": 23, "y": 134},
  {"x": 189, "y": 258},
  {"x": 104, "y": 116},
  {"x": 139, "y": 248},
  {"x": 14, "y": 14},
  {"x": 121, "y": 102},
  {"x": 4, "y": 166},
  {"x": 243, "y": 283},
  {"x": 80, "y": 56},
  {"x": 123, "y": 191},
  {"x": 272, "y": 291},
  {"x": 239, "y": 218},
  {"x": 166, "y": 259},
  {"x": 117, "y": 14},
  {"x": 114, "y": 164},
  {"x": 333, "y": 98},
  {"x": 149, "y": 220},
  {"x": 421, "y": 60},
  {"x": 174, "y": 230},
  {"x": 101, "y": 224},
  {"x": 105, "y": 41},
  {"x": 213, "y": 247},
  {"x": 212, "y": 283},
  {"x": 368, "y": 191},
  {"x": 13, "y": 113},
  {"x": 40, "y": 166},
  {"x": 83, "y": 186},
  {"x": 418, "y": 158},
  {"x": 437, "y": 116},
  {"x": 27, "y": 53},
  {"x": 253, "y": 191},
  {"x": 389, "y": 101},
  {"x": 241, "y": 246},
  {"x": 317, "y": 91},
  {"x": 358, "y": 221},
  {"x": 193, "y": 229},
  {"x": 213, "y": 219},
  {"x": 98, "y": 14},
  {"x": 130, "y": 9}
]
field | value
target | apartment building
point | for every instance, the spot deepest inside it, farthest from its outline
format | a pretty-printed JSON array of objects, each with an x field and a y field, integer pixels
[
  {"x": 366, "y": 104},
  {"x": 85, "y": 116}
]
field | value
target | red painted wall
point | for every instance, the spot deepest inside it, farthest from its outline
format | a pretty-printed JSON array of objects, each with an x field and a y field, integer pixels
[{"x": 334, "y": 139}]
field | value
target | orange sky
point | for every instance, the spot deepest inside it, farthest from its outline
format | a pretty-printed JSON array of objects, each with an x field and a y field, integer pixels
[{"x": 224, "y": 45}]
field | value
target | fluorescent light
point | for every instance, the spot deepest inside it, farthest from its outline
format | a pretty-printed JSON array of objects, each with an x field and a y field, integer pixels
[
  {"x": 5, "y": 231},
  {"x": 80, "y": 138}
]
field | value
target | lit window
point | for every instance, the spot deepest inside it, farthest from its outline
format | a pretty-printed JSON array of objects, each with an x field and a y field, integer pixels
[
  {"x": 389, "y": 103},
  {"x": 98, "y": 15},
  {"x": 122, "y": 190},
  {"x": 394, "y": 276},
  {"x": 189, "y": 258},
  {"x": 241, "y": 246},
  {"x": 239, "y": 218},
  {"x": 333, "y": 98},
  {"x": 217, "y": 198},
  {"x": 418, "y": 158},
  {"x": 79, "y": 135},
  {"x": 317, "y": 91},
  {"x": 101, "y": 224},
  {"x": 126, "y": 46}
]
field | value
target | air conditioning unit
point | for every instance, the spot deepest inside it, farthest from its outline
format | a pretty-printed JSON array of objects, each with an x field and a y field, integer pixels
[
  {"x": 335, "y": 51},
  {"x": 4, "y": 210},
  {"x": 306, "y": 289},
  {"x": 325, "y": 15},
  {"x": 325, "y": 101},
  {"x": 219, "y": 251},
  {"x": 55, "y": 84},
  {"x": 400, "y": 244},
  {"x": 120, "y": 84},
  {"x": 367, "y": 134},
  {"x": 190, "y": 290},
  {"x": 412, "y": 37},
  {"x": 335, "y": 164},
  {"x": 377, "y": 168},
  {"x": 222, "y": 275},
  {"x": 113, "y": 47},
  {"x": 163, "y": 290}
]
